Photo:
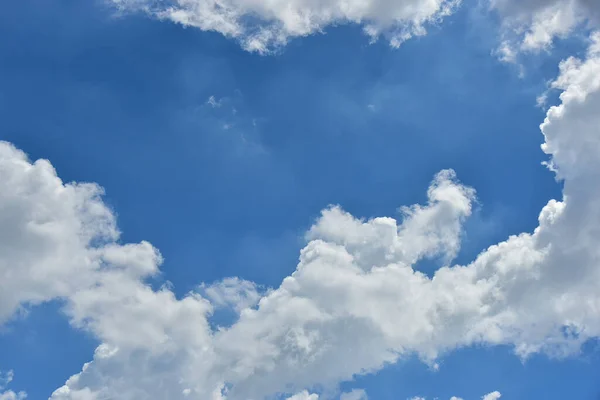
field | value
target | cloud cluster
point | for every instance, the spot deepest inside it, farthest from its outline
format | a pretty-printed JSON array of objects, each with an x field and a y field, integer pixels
[
  {"x": 6, "y": 379},
  {"x": 304, "y": 395},
  {"x": 527, "y": 25},
  {"x": 264, "y": 25},
  {"x": 492, "y": 396},
  {"x": 55, "y": 238},
  {"x": 355, "y": 301},
  {"x": 533, "y": 25}
]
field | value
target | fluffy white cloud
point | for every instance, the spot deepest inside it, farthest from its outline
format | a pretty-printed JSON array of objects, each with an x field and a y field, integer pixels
[
  {"x": 492, "y": 396},
  {"x": 304, "y": 395},
  {"x": 233, "y": 292},
  {"x": 54, "y": 238},
  {"x": 6, "y": 379},
  {"x": 356, "y": 394},
  {"x": 264, "y": 25},
  {"x": 290, "y": 341},
  {"x": 528, "y": 25},
  {"x": 10, "y": 395},
  {"x": 59, "y": 241},
  {"x": 532, "y": 25},
  {"x": 354, "y": 303}
]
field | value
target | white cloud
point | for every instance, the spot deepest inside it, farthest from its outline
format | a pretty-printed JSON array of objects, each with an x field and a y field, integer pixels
[
  {"x": 233, "y": 292},
  {"x": 356, "y": 394},
  {"x": 213, "y": 102},
  {"x": 264, "y": 25},
  {"x": 304, "y": 395},
  {"x": 164, "y": 345},
  {"x": 533, "y": 25},
  {"x": 10, "y": 395},
  {"x": 354, "y": 302},
  {"x": 5, "y": 380},
  {"x": 492, "y": 396},
  {"x": 528, "y": 26},
  {"x": 54, "y": 237}
]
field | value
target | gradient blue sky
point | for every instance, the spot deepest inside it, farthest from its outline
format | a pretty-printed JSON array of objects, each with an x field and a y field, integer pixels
[{"x": 229, "y": 188}]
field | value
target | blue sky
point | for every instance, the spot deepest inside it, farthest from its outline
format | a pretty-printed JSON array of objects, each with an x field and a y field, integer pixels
[{"x": 229, "y": 186}]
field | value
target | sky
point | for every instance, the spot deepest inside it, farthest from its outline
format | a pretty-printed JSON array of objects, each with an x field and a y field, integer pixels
[{"x": 299, "y": 200}]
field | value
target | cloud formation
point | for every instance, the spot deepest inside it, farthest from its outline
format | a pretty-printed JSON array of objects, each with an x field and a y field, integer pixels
[
  {"x": 533, "y": 25},
  {"x": 354, "y": 303},
  {"x": 55, "y": 238},
  {"x": 527, "y": 25},
  {"x": 262, "y": 26},
  {"x": 492, "y": 396},
  {"x": 5, "y": 394}
]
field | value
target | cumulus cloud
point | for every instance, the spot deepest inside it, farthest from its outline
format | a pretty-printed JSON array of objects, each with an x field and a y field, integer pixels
[
  {"x": 528, "y": 26},
  {"x": 533, "y": 25},
  {"x": 326, "y": 322},
  {"x": 492, "y": 396},
  {"x": 356, "y": 394},
  {"x": 10, "y": 395},
  {"x": 261, "y": 26},
  {"x": 355, "y": 301},
  {"x": 304, "y": 395},
  {"x": 234, "y": 293},
  {"x": 5, "y": 380},
  {"x": 55, "y": 237}
]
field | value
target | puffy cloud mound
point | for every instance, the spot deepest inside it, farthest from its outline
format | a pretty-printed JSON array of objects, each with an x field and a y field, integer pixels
[
  {"x": 492, "y": 396},
  {"x": 532, "y": 25},
  {"x": 264, "y": 25},
  {"x": 304, "y": 395},
  {"x": 356, "y": 394},
  {"x": 6, "y": 379},
  {"x": 355, "y": 301},
  {"x": 55, "y": 238},
  {"x": 10, "y": 395}
]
